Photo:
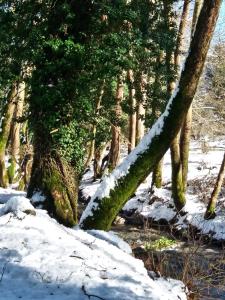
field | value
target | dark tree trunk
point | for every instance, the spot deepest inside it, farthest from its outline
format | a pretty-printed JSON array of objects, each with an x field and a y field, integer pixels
[{"x": 124, "y": 180}]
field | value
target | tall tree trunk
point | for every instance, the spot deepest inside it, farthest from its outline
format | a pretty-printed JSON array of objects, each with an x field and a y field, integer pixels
[
  {"x": 187, "y": 126},
  {"x": 210, "y": 212},
  {"x": 54, "y": 178},
  {"x": 5, "y": 131},
  {"x": 178, "y": 193},
  {"x": 15, "y": 132},
  {"x": 132, "y": 114},
  {"x": 91, "y": 152},
  {"x": 116, "y": 130},
  {"x": 157, "y": 172},
  {"x": 116, "y": 189},
  {"x": 140, "y": 115}
]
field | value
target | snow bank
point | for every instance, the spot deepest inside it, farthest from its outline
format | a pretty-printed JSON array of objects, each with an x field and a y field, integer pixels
[
  {"x": 111, "y": 238},
  {"x": 40, "y": 259},
  {"x": 16, "y": 205}
]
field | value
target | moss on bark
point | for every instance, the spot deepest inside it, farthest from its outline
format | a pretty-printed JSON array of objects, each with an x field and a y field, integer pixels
[
  {"x": 56, "y": 180},
  {"x": 105, "y": 209}
]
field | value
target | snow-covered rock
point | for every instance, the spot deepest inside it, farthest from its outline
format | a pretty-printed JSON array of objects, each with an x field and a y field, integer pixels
[{"x": 41, "y": 259}]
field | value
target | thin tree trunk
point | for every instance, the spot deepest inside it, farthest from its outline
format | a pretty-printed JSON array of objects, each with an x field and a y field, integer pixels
[
  {"x": 116, "y": 189},
  {"x": 187, "y": 126},
  {"x": 116, "y": 130},
  {"x": 5, "y": 131},
  {"x": 157, "y": 172},
  {"x": 55, "y": 179},
  {"x": 132, "y": 115},
  {"x": 15, "y": 133},
  {"x": 178, "y": 193},
  {"x": 91, "y": 149},
  {"x": 140, "y": 119},
  {"x": 210, "y": 212}
]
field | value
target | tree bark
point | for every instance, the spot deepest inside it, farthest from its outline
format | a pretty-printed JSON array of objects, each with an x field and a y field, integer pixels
[
  {"x": 178, "y": 193},
  {"x": 132, "y": 115},
  {"x": 140, "y": 115},
  {"x": 15, "y": 133},
  {"x": 116, "y": 189},
  {"x": 187, "y": 126},
  {"x": 55, "y": 179},
  {"x": 210, "y": 212},
  {"x": 116, "y": 130},
  {"x": 5, "y": 131},
  {"x": 91, "y": 149},
  {"x": 157, "y": 175}
]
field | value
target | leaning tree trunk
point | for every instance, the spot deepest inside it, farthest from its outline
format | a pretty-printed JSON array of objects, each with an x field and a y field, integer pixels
[
  {"x": 116, "y": 189},
  {"x": 115, "y": 128},
  {"x": 132, "y": 114},
  {"x": 5, "y": 131},
  {"x": 178, "y": 193},
  {"x": 15, "y": 133},
  {"x": 210, "y": 212},
  {"x": 187, "y": 126},
  {"x": 55, "y": 179}
]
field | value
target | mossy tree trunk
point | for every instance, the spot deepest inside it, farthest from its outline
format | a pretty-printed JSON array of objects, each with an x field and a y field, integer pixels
[
  {"x": 157, "y": 179},
  {"x": 115, "y": 128},
  {"x": 210, "y": 212},
  {"x": 185, "y": 137},
  {"x": 5, "y": 131},
  {"x": 132, "y": 114},
  {"x": 15, "y": 132},
  {"x": 124, "y": 180},
  {"x": 178, "y": 193},
  {"x": 55, "y": 179}
]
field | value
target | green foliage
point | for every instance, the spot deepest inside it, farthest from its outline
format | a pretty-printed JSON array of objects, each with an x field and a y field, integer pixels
[
  {"x": 71, "y": 139},
  {"x": 159, "y": 244}
]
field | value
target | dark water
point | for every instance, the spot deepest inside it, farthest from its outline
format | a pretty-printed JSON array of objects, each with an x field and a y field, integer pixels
[{"x": 201, "y": 267}]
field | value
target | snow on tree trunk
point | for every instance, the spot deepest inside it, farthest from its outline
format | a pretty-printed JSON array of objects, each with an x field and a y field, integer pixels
[
  {"x": 210, "y": 212},
  {"x": 116, "y": 189}
]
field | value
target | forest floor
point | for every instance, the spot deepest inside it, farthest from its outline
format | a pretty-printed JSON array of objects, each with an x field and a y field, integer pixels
[{"x": 185, "y": 247}]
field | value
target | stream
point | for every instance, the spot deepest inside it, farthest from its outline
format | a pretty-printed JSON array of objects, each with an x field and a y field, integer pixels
[{"x": 199, "y": 266}]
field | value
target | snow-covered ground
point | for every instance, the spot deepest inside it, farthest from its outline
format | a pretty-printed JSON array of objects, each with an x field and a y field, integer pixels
[
  {"x": 202, "y": 167},
  {"x": 41, "y": 259}
]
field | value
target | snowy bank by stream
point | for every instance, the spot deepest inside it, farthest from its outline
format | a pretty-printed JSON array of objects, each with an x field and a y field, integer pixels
[{"x": 41, "y": 259}]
